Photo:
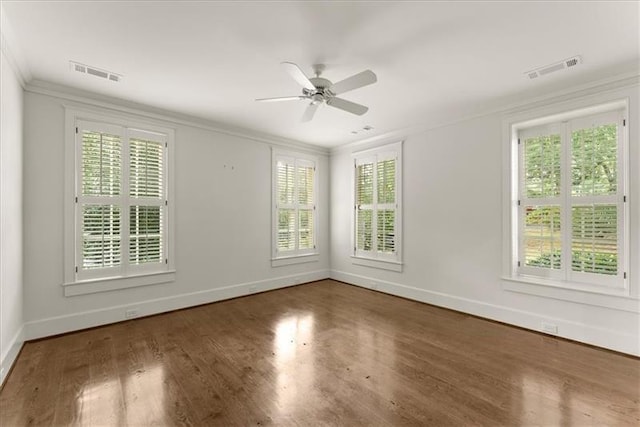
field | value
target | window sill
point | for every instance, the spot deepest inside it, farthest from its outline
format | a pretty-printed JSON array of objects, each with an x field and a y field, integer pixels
[
  {"x": 114, "y": 283},
  {"x": 296, "y": 259},
  {"x": 377, "y": 263},
  {"x": 615, "y": 298}
]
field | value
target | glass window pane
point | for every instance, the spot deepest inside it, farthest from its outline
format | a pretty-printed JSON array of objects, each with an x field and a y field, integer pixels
[
  {"x": 542, "y": 166},
  {"x": 286, "y": 230},
  {"x": 364, "y": 230},
  {"x": 542, "y": 244},
  {"x": 305, "y": 185},
  {"x": 146, "y": 168},
  {"x": 145, "y": 231},
  {"x": 100, "y": 236},
  {"x": 101, "y": 164},
  {"x": 594, "y": 161},
  {"x": 386, "y": 231},
  {"x": 386, "y": 181},
  {"x": 364, "y": 184},
  {"x": 594, "y": 240},
  {"x": 285, "y": 182},
  {"x": 305, "y": 229}
]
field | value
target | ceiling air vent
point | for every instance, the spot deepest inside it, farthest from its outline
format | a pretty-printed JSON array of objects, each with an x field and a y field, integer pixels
[
  {"x": 97, "y": 72},
  {"x": 552, "y": 68}
]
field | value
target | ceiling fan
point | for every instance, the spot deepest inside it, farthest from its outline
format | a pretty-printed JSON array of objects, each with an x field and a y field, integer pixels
[{"x": 320, "y": 90}]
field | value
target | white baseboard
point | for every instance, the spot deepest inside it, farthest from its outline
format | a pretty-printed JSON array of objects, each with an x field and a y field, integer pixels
[
  {"x": 87, "y": 319},
  {"x": 10, "y": 356},
  {"x": 606, "y": 338}
]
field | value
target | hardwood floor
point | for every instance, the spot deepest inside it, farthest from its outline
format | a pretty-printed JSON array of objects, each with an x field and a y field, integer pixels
[{"x": 323, "y": 353}]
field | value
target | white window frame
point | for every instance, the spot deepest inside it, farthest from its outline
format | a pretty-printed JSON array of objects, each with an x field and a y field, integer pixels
[
  {"x": 565, "y": 279},
  {"x": 296, "y": 256},
  {"x": 77, "y": 281},
  {"x": 374, "y": 258}
]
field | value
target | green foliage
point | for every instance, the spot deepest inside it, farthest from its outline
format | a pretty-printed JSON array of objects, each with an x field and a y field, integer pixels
[{"x": 592, "y": 262}]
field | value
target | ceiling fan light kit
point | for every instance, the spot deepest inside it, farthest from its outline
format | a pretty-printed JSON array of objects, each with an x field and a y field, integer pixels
[{"x": 319, "y": 90}]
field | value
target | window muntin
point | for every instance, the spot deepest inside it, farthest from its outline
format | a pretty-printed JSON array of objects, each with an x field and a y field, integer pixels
[
  {"x": 571, "y": 202},
  {"x": 295, "y": 194},
  {"x": 121, "y": 217},
  {"x": 376, "y": 204}
]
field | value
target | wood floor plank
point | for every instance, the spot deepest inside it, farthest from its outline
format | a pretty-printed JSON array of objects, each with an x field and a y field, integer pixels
[{"x": 323, "y": 353}]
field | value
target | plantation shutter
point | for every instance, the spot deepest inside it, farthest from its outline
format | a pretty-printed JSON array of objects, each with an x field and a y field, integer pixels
[
  {"x": 285, "y": 204},
  {"x": 147, "y": 198},
  {"x": 364, "y": 204},
  {"x": 596, "y": 203},
  {"x": 571, "y": 208},
  {"x": 99, "y": 199},
  {"x": 386, "y": 205},
  {"x": 295, "y": 205},
  {"x": 540, "y": 199},
  {"x": 376, "y": 205},
  {"x": 305, "y": 176}
]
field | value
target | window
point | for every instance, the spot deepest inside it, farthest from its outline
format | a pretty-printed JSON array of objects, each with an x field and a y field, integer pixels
[
  {"x": 571, "y": 203},
  {"x": 120, "y": 210},
  {"x": 377, "y": 216},
  {"x": 294, "y": 207}
]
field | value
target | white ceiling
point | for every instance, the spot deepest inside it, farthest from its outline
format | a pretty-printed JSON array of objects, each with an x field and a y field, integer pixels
[{"x": 211, "y": 59}]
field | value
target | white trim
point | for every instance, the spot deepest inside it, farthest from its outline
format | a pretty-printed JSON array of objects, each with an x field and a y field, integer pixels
[
  {"x": 145, "y": 112},
  {"x": 596, "y": 296},
  {"x": 9, "y": 357},
  {"x": 379, "y": 263},
  {"x": 290, "y": 260},
  {"x": 608, "y": 338},
  {"x": 93, "y": 286},
  {"x": 68, "y": 323}
]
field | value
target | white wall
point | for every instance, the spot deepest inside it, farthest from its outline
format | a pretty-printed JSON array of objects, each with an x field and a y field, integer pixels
[
  {"x": 453, "y": 235},
  {"x": 11, "y": 280},
  {"x": 223, "y": 225}
]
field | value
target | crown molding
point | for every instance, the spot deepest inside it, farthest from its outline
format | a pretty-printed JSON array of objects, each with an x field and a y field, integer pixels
[
  {"x": 626, "y": 79},
  {"x": 81, "y": 98},
  {"x": 10, "y": 48}
]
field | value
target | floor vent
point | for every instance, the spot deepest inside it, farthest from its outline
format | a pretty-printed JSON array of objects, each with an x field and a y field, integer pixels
[
  {"x": 552, "y": 68},
  {"x": 97, "y": 72}
]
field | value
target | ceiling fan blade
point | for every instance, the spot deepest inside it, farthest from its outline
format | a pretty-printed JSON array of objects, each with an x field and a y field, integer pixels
[
  {"x": 354, "y": 82},
  {"x": 282, "y": 98},
  {"x": 297, "y": 74},
  {"x": 310, "y": 111},
  {"x": 349, "y": 106}
]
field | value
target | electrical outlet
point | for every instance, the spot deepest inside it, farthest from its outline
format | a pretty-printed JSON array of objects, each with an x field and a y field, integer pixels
[
  {"x": 549, "y": 328},
  {"x": 131, "y": 313}
]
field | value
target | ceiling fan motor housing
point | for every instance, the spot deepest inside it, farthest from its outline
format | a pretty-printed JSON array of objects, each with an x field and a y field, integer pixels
[{"x": 322, "y": 91}]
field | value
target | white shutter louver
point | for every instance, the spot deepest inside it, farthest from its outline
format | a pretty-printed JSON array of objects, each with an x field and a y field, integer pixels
[
  {"x": 101, "y": 164},
  {"x": 146, "y": 168},
  {"x": 101, "y": 236}
]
